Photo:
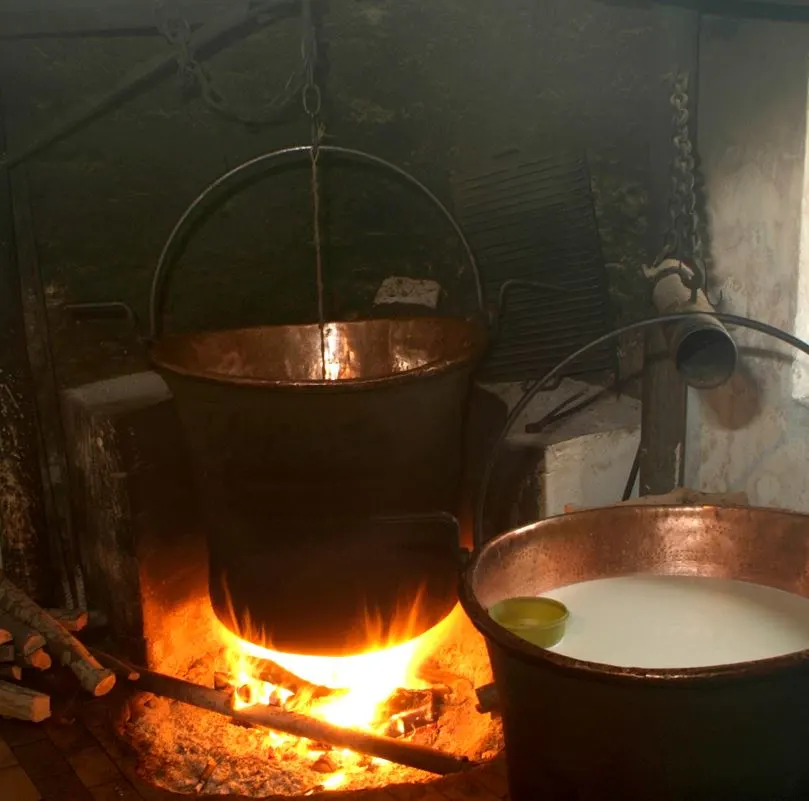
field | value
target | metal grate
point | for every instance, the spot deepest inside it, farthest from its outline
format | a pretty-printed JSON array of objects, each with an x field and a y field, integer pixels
[{"x": 535, "y": 221}]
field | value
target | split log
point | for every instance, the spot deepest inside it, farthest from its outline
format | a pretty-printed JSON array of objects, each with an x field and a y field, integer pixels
[
  {"x": 26, "y": 639},
  {"x": 61, "y": 643},
  {"x": 402, "y": 753},
  {"x": 272, "y": 673},
  {"x": 7, "y": 652},
  {"x": 21, "y": 703},
  {"x": 39, "y": 660},
  {"x": 5, "y": 637},
  {"x": 72, "y": 619},
  {"x": 10, "y": 672}
]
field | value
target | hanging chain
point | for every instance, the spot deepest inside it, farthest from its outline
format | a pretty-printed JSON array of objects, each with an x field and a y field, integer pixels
[
  {"x": 196, "y": 78},
  {"x": 684, "y": 236},
  {"x": 312, "y": 102}
]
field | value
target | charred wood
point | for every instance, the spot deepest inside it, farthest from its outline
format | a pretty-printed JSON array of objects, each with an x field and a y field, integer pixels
[
  {"x": 270, "y": 672},
  {"x": 415, "y": 756},
  {"x": 488, "y": 701}
]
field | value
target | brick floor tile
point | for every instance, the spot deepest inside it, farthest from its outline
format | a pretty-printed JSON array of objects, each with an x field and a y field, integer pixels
[
  {"x": 68, "y": 737},
  {"x": 120, "y": 790},
  {"x": 18, "y": 732},
  {"x": 94, "y": 767},
  {"x": 7, "y": 758},
  {"x": 15, "y": 784}
]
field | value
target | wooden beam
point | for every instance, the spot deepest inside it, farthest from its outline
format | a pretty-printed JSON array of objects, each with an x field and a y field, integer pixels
[
  {"x": 52, "y": 454},
  {"x": 23, "y": 541},
  {"x": 28, "y": 19}
]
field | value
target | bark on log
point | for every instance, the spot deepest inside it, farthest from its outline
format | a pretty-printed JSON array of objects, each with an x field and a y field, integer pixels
[
  {"x": 403, "y": 753},
  {"x": 72, "y": 619},
  {"x": 61, "y": 643},
  {"x": 26, "y": 640},
  {"x": 21, "y": 703}
]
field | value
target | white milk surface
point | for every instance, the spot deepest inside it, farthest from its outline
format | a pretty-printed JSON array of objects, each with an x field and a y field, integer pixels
[{"x": 649, "y": 621}]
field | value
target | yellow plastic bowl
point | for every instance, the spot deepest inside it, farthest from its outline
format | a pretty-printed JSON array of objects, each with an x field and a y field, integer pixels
[{"x": 540, "y": 621}]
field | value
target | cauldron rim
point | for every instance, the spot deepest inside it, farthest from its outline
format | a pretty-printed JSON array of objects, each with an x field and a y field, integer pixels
[
  {"x": 469, "y": 342},
  {"x": 526, "y": 652}
]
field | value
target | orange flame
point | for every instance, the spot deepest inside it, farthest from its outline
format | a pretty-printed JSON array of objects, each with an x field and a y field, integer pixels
[{"x": 365, "y": 681}]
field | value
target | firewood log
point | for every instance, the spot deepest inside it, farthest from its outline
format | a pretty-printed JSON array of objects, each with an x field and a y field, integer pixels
[
  {"x": 61, "y": 643},
  {"x": 5, "y": 636},
  {"x": 72, "y": 619},
  {"x": 10, "y": 672},
  {"x": 26, "y": 639},
  {"x": 40, "y": 660},
  {"x": 7, "y": 652},
  {"x": 23, "y": 704},
  {"x": 403, "y": 753}
]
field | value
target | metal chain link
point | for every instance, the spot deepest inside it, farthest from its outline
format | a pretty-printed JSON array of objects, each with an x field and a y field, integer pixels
[
  {"x": 684, "y": 236},
  {"x": 312, "y": 103},
  {"x": 195, "y": 77}
]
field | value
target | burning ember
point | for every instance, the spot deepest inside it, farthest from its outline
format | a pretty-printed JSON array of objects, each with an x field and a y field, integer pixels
[
  {"x": 421, "y": 690},
  {"x": 381, "y": 691}
]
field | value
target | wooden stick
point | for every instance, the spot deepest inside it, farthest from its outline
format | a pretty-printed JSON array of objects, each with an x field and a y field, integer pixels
[
  {"x": 61, "y": 643},
  {"x": 13, "y": 672},
  {"x": 25, "y": 638},
  {"x": 403, "y": 753},
  {"x": 40, "y": 660},
  {"x": 272, "y": 673},
  {"x": 21, "y": 703},
  {"x": 72, "y": 619}
]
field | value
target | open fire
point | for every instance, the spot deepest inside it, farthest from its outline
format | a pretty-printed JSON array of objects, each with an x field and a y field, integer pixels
[{"x": 420, "y": 690}]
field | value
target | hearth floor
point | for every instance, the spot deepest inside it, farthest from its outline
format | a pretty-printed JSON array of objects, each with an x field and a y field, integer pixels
[{"x": 75, "y": 756}]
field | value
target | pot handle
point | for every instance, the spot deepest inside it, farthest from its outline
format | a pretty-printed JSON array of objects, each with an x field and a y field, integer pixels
[
  {"x": 104, "y": 310},
  {"x": 258, "y": 165},
  {"x": 427, "y": 517}
]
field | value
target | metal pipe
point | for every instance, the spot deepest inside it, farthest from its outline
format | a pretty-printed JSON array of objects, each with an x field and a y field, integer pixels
[{"x": 700, "y": 346}]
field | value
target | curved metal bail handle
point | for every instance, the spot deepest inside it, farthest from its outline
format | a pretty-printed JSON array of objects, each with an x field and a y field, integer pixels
[
  {"x": 258, "y": 165},
  {"x": 551, "y": 375}
]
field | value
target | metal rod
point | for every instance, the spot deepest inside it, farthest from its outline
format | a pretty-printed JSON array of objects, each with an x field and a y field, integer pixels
[
  {"x": 403, "y": 753},
  {"x": 531, "y": 392},
  {"x": 140, "y": 77}
]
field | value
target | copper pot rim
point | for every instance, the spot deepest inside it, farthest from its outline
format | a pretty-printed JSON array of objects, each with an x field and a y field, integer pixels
[
  {"x": 526, "y": 652},
  {"x": 466, "y": 356}
]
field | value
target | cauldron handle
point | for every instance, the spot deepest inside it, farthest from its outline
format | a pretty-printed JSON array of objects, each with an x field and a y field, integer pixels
[
  {"x": 556, "y": 372},
  {"x": 264, "y": 162}
]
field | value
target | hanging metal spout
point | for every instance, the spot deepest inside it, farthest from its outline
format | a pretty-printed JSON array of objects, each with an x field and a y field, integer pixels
[{"x": 700, "y": 346}]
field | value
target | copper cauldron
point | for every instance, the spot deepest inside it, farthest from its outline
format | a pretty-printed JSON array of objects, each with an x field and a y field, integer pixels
[
  {"x": 586, "y": 731},
  {"x": 300, "y": 444}
]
